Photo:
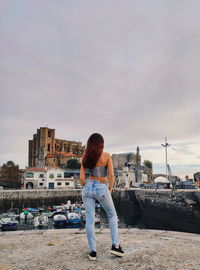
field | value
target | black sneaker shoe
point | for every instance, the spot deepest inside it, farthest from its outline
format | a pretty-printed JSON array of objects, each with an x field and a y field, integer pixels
[
  {"x": 117, "y": 251},
  {"x": 93, "y": 256}
]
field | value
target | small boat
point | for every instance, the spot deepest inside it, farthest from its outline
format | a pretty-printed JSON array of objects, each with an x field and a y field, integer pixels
[
  {"x": 72, "y": 207},
  {"x": 73, "y": 218},
  {"x": 55, "y": 207},
  {"x": 48, "y": 214},
  {"x": 25, "y": 215},
  {"x": 97, "y": 206},
  {"x": 41, "y": 221},
  {"x": 59, "y": 219},
  {"x": 68, "y": 204},
  {"x": 77, "y": 207},
  {"x": 8, "y": 224},
  {"x": 31, "y": 210},
  {"x": 10, "y": 214},
  {"x": 97, "y": 217},
  {"x": 58, "y": 209},
  {"x": 41, "y": 209}
]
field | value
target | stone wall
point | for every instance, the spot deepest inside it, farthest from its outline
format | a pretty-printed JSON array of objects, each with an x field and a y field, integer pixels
[
  {"x": 161, "y": 209},
  {"x": 36, "y": 198},
  {"x": 127, "y": 206},
  {"x": 170, "y": 210}
]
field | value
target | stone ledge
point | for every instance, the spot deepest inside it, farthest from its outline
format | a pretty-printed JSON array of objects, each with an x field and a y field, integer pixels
[{"x": 66, "y": 249}]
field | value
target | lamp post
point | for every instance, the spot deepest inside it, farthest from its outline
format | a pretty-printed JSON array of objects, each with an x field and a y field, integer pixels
[{"x": 166, "y": 145}]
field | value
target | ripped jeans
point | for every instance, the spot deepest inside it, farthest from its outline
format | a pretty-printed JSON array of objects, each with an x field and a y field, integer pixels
[{"x": 95, "y": 190}]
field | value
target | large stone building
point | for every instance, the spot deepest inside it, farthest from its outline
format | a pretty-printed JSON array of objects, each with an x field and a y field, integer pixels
[
  {"x": 119, "y": 160},
  {"x": 128, "y": 165},
  {"x": 46, "y": 150}
]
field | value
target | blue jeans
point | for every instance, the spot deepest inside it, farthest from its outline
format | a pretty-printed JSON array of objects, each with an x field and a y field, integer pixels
[{"x": 95, "y": 190}]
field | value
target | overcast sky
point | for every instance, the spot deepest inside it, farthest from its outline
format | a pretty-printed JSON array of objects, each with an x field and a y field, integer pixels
[{"x": 126, "y": 69}]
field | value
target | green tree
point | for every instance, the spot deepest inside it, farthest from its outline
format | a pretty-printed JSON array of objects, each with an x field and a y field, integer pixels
[
  {"x": 73, "y": 164},
  {"x": 148, "y": 164}
]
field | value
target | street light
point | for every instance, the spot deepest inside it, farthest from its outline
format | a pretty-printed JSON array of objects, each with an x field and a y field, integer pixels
[{"x": 166, "y": 145}]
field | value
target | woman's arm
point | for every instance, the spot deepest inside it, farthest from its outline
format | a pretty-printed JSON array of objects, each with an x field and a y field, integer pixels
[
  {"x": 82, "y": 175},
  {"x": 111, "y": 175}
]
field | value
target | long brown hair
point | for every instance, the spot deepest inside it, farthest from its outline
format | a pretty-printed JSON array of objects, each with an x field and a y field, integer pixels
[{"x": 93, "y": 151}]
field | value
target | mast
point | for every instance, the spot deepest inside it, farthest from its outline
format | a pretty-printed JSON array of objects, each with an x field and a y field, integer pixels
[{"x": 166, "y": 145}]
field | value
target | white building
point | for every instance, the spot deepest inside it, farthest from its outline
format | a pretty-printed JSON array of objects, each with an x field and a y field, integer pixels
[
  {"x": 34, "y": 178},
  {"x": 127, "y": 177},
  {"x": 57, "y": 178}
]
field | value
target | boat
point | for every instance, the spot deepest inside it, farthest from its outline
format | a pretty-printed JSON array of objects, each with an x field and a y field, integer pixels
[
  {"x": 66, "y": 206},
  {"x": 77, "y": 207},
  {"x": 10, "y": 214},
  {"x": 25, "y": 215},
  {"x": 72, "y": 207},
  {"x": 97, "y": 206},
  {"x": 73, "y": 218},
  {"x": 58, "y": 209},
  {"x": 41, "y": 221},
  {"x": 55, "y": 207},
  {"x": 97, "y": 217},
  {"x": 33, "y": 210},
  {"x": 48, "y": 214},
  {"x": 8, "y": 224},
  {"x": 59, "y": 219}
]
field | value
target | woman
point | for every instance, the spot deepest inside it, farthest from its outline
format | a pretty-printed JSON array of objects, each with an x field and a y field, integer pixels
[{"x": 95, "y": 188}]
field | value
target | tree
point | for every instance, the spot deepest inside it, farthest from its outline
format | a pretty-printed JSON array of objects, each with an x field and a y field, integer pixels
[
  {"x": 10, "y": 176},
  {"x": 148, "y": 164},
  {"x": 73, "y": 164}
]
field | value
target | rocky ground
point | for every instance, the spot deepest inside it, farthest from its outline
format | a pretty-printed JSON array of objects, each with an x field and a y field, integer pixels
[{"x": 67, "y": 250}]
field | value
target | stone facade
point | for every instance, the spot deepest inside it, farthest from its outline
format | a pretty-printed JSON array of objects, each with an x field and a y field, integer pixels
[
  {"x": 133, "y": 163},
  {"x": 119, "y": 160},
  {"x": 46, "y": 150}
]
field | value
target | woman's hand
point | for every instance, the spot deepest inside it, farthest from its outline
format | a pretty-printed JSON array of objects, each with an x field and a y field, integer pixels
[{"x": 82, "y": 183}]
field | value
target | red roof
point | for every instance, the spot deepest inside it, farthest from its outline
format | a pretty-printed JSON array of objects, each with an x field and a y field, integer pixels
[
  {"x": 51, "y": 156},
  {"x": 35, "y": 169},
  {"x": 65, "y": 154}
]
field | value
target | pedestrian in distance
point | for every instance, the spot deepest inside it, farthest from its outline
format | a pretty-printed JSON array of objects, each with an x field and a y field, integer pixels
[{"x": 98, "y": 187}]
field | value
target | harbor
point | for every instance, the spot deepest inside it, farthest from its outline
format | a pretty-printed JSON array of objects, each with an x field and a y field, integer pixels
[{"x": 150, "y": 209}]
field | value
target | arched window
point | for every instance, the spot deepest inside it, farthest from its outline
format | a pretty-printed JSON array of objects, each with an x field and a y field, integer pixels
[{"x": 29, "y": 185}]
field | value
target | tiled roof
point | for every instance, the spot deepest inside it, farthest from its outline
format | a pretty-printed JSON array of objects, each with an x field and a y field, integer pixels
[
  {"x": 51, "y": 156},
  {"x": 64, "y": 154},
  {"x": 35, "y": 169},
  {"x": 64, "y": 179}
]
